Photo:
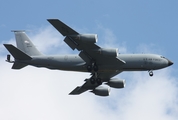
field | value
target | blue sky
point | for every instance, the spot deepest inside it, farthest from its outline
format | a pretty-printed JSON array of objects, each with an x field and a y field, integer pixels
[
  {"x": 132, "y": 22},
  {"x": 132, "y": 26}
]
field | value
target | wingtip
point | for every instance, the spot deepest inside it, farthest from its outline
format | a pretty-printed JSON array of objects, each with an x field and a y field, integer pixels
[
  {"x": 7, "y": 45},
  {"x": 52, "y": 19},
  {"x": 71, "y": 93}
]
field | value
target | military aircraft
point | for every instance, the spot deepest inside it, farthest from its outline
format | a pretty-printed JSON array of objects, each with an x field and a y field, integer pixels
[{"x": 102, "y": 63}]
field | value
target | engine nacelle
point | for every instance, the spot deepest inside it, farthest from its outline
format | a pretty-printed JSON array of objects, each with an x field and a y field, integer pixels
[
  {"x": 108, "y": 52},
  {"x": 101, "y": 90},
  {"x": 85, "y": 38},
  {"x": 116, "y": 83}
]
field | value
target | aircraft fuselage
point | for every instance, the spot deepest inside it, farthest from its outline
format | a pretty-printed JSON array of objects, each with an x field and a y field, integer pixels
[{"x": 134, "y": 62}]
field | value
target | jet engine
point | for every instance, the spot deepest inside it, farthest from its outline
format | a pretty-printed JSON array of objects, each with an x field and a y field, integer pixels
[
  {"x": 101, "y": 90},
  {"x": 116, "y": 83},
  {"x": 108, "y": 52},
  {"x": 85, "y": 38}
]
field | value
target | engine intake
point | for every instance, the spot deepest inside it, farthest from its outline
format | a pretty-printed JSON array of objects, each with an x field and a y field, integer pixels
[
  {"x": 116, "y": 83},
  {"x": 101, "y": 90}
]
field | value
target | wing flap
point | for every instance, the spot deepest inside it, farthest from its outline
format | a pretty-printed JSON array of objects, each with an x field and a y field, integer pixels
[{"x": 70, "y": 43}]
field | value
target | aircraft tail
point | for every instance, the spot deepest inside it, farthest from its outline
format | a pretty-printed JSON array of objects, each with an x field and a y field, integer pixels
[
  {"x": 18, "y": 55},
  {"x": 24, "y": 44}
]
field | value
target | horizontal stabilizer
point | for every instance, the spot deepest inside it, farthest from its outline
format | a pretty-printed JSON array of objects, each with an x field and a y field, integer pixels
[
  {"x": 16, "y": 53},
  {"x": 62, "y": 28},
  {"x": 17, "y": 65}
]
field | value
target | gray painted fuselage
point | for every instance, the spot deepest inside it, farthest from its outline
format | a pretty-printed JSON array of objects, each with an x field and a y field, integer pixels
[{"x": 134, "y": 62}]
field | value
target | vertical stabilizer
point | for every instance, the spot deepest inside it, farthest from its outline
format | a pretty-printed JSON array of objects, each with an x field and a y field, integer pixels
[{"x": 24, "y": 44}]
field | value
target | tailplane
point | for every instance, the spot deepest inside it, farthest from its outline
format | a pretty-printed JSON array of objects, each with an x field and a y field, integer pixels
[
  {"x": 18, "y": 55},
  {"x": 24, "y": 44},
  {"x": 17, "y": 65}
]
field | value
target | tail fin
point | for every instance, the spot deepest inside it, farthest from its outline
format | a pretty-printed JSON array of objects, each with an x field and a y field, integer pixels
[
  {"x": 24, "y": 44},
  {"x": 18, "y": 55}
]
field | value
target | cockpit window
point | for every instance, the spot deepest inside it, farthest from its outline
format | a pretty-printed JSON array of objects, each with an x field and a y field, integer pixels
[{"x": 162, "y": 57}]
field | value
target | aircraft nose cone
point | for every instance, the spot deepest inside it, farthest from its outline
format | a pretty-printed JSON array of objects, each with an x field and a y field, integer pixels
[{"x": 170, "y": 63}]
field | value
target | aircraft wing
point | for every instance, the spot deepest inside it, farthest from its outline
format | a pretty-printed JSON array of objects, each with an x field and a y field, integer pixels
[
  {"x": 85, "y": 43},
  {"x": 62, "y": 28},
  {"x": 88, "y": 86}
]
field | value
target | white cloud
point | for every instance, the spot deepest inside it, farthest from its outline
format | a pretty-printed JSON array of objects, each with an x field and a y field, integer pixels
[
  {"x": 47, "y": 39},
  {"x": 38, "y": 93},
  {"x": 152, "y": 97}
]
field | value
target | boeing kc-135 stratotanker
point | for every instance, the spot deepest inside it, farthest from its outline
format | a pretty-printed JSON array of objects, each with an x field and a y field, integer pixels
[{"x": 102, "y": 63}]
